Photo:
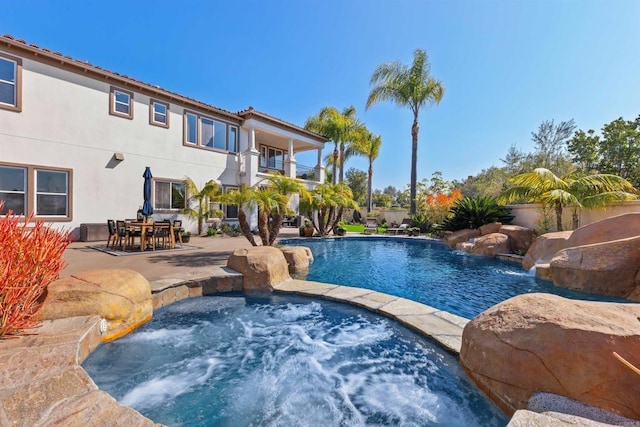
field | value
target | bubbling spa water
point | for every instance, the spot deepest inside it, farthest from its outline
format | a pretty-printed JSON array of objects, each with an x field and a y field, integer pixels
[{"x": 285, "y": 361}]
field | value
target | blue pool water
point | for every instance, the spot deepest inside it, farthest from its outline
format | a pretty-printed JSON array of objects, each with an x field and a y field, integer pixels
[
  {"x": 425, "y": 271},
  {"x": 272, "y": 360}
]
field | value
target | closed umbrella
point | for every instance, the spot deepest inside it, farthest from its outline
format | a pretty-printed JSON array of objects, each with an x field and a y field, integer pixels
[{"x": 147, "y": 209}]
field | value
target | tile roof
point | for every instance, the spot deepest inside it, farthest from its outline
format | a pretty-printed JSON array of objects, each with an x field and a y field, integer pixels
[
  {"x": 251, "y": 113},
  {"x": 86, "y": 67}
]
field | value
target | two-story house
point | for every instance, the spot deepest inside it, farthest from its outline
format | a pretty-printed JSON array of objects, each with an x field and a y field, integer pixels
[{"x": 75, "y": 140}]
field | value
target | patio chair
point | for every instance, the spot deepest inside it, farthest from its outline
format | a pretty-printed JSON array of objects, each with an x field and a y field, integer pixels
[
  {"x": 406, "y": 223},
  {"x": 123, "y": 235},
  {"x": 371, "y": 226},
  {"x": 113, "y": 234},
  {"x": 161, "y": 233},
  {"x": 178, "y": 230}
]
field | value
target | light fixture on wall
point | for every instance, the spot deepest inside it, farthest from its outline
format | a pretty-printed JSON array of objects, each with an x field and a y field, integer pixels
[{"x": 118, "y": 156}]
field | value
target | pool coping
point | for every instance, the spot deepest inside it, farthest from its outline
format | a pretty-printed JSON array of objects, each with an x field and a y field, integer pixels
[{"x": 51, "y": 361}]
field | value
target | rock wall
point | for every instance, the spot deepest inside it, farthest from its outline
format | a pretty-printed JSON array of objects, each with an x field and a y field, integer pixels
[{"x": 602, "y": 257}]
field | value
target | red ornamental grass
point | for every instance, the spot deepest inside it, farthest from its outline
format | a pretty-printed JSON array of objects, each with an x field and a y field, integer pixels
[{"x": 30, "y": 259}]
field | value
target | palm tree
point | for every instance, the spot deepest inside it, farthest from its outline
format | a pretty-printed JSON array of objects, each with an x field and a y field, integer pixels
[
  {"x": 241, "y": 197},
  {"x": 411, "y": 87},
  {"x": 591, "y": 191},
  {"x": 203, "y": 198},
  {"x": 285, "y": 186},
  {"x": 327, "y": 202},
  {"x": 367, "y": 145},
  {"x": 269, "y": 201},
  {"x": 339, "y": 127}
]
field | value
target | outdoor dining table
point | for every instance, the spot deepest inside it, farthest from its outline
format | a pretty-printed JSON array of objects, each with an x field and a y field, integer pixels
[{"x": 147, "y": 226}]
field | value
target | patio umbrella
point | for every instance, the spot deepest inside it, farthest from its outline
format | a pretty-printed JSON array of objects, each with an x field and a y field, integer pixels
[{"x": 147, "y": 209}]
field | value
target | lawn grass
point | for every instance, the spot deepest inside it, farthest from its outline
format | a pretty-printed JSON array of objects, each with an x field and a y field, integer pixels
[{"x": 359, "y": 228}]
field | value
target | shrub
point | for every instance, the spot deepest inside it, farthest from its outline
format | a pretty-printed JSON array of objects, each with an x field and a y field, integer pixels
[
  {"x": 212, "y": 231},
  {"x": 475, "y": 212},
  {"x": 30, "y": 259}
]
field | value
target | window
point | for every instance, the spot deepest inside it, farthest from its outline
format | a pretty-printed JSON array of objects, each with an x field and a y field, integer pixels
[
  {"x": 233, "y": 139},
  {"x": 13, "y": 189},
  {"x": 191, "y": 128},
  {"x": 10, "y": 83},
  {"x": 45, "y": 191},
  {"x": 170, "y": 195},
  {"x": 271, "y": 158},
  {"x": 52, "y": 189},
  {"x": 210, "y": 133},
  {"x": 159, "y": 113},
  {"x": 121, "y": 103},
  {"x": 230, "y": 211}
]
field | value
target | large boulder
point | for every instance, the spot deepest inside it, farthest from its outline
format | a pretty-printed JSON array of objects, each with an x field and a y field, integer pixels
[
  {"x": 544, "y": 248},
  {"x": 542, "y": 342},
  {"x": 262, "y": 267},
  {"x": 121, "y": 297},
  {"x": 611, "y": 267},
  {"x": 491, "y": 245},
  {"x": 298, "y": 257},
  {"x": 461, "y": 236},
  {"x": 605, "y": 230},
  {"x": 520, "y": 238},
  {"x": 493, "y": 227}
]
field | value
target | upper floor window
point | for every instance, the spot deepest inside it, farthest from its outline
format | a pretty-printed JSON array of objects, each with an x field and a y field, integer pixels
[
  {"x": 206, "y": 132},
  {"x": 271, "y": 158},
  {"x": 170, "y": 195},
  {"x": 10, "y": 83},
  {"x": 159, "y": 113},
  {"x": 43, "y": 190},
  {"x": 121, "y": 103}
]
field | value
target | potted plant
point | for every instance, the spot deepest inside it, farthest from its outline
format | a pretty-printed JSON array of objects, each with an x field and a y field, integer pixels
[
  {"x": 186, "y": 236},
  {"x": 307, "y": 230}
]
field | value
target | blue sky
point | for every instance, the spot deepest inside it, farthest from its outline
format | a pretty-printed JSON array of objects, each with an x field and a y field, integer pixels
[{"x": 506, "y": 65}]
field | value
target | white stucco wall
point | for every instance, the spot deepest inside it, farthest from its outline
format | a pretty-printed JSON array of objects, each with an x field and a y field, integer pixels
[
  {"x": 528, "y": 215},
  {"x": 65, "y": 122}
]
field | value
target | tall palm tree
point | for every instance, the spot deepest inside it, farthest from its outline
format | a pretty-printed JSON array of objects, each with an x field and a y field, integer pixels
[
  {"x": 591, "y": 191},
  {"x": 407, "y": 86},
  {"x": 241, "y": 197},
  {"x": 367, "y": 145},
  {"x": 203, "y": 199},
  {"x": 339, "y": 127}
]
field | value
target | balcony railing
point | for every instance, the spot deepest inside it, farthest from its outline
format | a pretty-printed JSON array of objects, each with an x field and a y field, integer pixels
[{"x": 306, "y": 172}]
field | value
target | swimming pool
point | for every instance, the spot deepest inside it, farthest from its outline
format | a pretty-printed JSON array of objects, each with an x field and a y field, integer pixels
[
  {"x": 272, "y": 360},
  {"x": 425, "y": 271}
]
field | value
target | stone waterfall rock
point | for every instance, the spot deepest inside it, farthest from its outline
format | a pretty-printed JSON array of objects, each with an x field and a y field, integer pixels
[
  {"x": 491, "y": 245},
  {"x": 461, "y": 236},
  {"x": 544, "y": 248},
  {"x": 520, "y": 238},
  {"x": 542, "y": 342},
  {"x": 298, "y": 257},
  {"x": 120, "y": 296},
  {"x": 262, "y": 267},
  {"x": 611, "y": 268},
  {"x": 493, "y": 227}
]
